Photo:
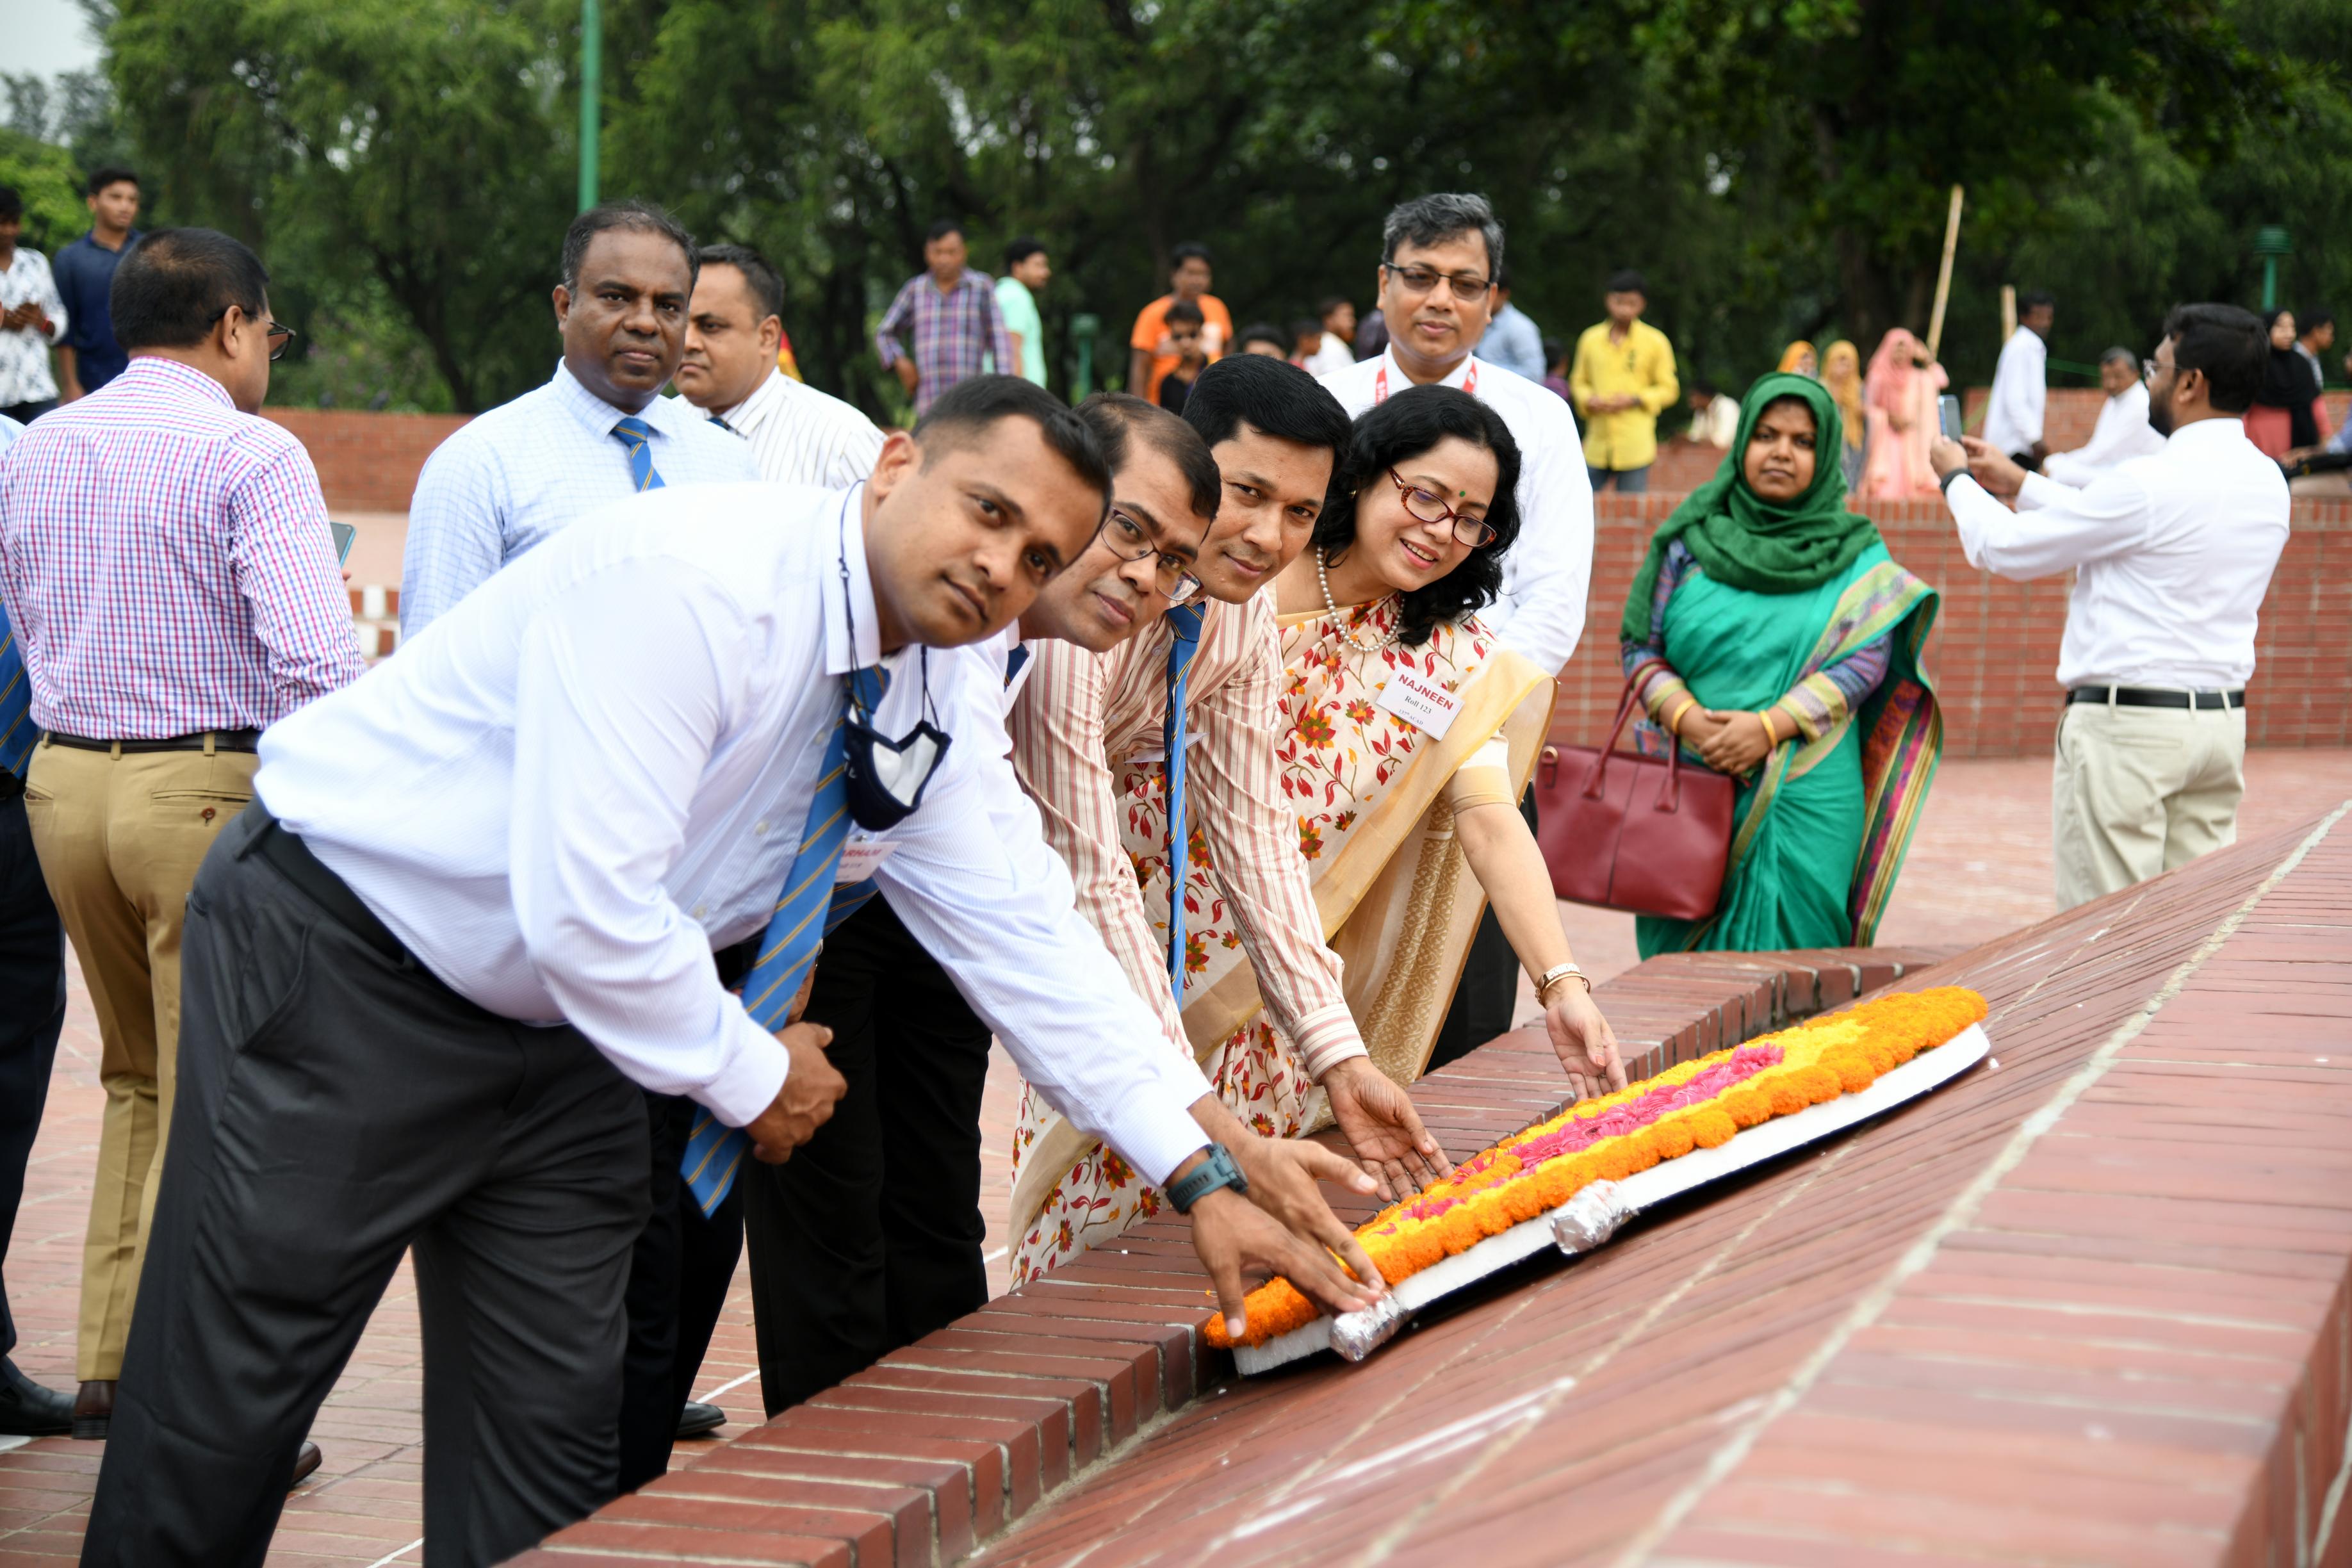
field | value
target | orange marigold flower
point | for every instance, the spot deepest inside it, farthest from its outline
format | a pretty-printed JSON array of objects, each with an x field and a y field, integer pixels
[
  {"x": 1745, "y": 1107},
  {"x": 1818, "y": 1084},
  {"x": 1711, "y": 1127},
  {"x": 1675, "y": 1138}
]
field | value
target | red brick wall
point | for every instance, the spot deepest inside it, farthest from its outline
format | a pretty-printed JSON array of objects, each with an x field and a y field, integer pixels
[
  {"x": 1995, "y": 648},
  {"x": 367, "y": 462}
]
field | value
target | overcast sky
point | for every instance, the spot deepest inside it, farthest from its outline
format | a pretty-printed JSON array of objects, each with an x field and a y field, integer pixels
[{"x": 46, "y": 36}]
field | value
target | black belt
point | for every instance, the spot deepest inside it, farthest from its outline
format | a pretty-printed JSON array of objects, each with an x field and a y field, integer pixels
[
  {"x": 294, "y": 861},
  {"x": 2156, "y": 696},
  {"x": 221, "y": 741}
]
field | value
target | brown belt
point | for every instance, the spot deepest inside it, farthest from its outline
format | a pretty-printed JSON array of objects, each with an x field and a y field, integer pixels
[{"x": 202, "y": 740}]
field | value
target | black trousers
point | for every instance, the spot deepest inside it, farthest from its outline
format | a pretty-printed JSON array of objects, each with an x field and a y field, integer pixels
[
  {"x": 337, "y": 1105},
  {"x": 1489, "y": 989},
  {"x": 869, "y": 1236},
  {"x": 32, "y": 1013},
  {"x": 679, "y": 1272}
]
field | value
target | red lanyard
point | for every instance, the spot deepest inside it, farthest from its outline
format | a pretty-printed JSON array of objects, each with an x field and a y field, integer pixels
[{"x": 1381, "y": 383}]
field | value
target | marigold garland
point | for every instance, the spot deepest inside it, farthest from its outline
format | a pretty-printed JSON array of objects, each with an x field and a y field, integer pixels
[{"x": 1700, "y": 1104}]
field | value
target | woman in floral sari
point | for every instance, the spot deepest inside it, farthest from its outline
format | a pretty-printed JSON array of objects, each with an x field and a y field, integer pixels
[
  {"x": 1406, "y": 737},
  {"x": 1770, "y": 633}
]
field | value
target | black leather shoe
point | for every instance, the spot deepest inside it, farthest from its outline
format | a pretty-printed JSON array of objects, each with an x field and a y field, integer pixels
[
  {"x": 28, "y": 1410},
  {"x": 699, "y": 1420},
  {"x": 93, "y": 1410},
  {"x": 306, "y": 1460}
]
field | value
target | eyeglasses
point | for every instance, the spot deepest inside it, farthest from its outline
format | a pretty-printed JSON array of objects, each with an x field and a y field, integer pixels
[
  {"x": 1422, "y": 279},
  {"x": 1430, "y": 507},
  {"x": 282, "y": 338},
  {"x": 1130, "y": 540}
]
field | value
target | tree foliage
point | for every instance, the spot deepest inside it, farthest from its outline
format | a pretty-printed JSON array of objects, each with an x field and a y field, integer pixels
[{"x": 1777, "y": 171}]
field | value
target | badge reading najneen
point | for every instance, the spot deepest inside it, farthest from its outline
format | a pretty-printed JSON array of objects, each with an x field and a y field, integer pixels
[
  {"x": 1419, "y": 701},
  {"x": 859, "y": 856}
]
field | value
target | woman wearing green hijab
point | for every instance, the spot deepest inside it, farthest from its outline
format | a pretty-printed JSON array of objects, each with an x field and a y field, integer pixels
[{"x": 1770, "y": 632}]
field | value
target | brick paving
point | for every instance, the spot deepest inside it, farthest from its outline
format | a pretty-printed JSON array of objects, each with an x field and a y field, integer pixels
[{"x": 1981, "y": 869}]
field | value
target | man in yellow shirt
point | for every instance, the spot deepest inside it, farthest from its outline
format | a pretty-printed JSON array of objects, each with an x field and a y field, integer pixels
[{"x": 1623, "y": 377}]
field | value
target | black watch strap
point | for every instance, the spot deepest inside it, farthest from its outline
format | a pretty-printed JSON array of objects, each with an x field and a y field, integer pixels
[{"x": 1219, "y": 1169}]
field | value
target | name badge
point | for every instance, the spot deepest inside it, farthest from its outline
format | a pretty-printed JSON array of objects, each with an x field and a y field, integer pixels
[
  {"x": 1154, "y": 751},
  {"x": 860, "y": 855},
  {"x": 1421, "y": 702}
]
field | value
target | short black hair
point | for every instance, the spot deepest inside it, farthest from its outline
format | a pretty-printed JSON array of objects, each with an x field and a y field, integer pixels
[
  {"x": 1625, "y": 280},
  {"x": 766, "y": 284},
  {"x": 2120, "y": 355},
  {"x": 2033, "y": 299},
  {"x": 1272, "y": 396},
  {"x": 1435, "y": 218},
  {"x": 107, "y": 174},
  {"x": 1182, "y": 311},
  {"x": 2228, "y": 344},
  {"x": 628, "y": 213},
  {"x": 1263, "y": 333},
  {"x": 1186, "y": 252},
  {"x": 2309, "y": 321},
  {"x": 1020, "y": 250},
  {"x": 1307, "y": 327},
  {"x": 12, "y": 204},
  {"x": 176, "y": 282},
  {"x": 1330, "y": 303},
  {"x": 1396, "y": 431},
  {"x": 968, "y": 409},
  {"x": 1116, "y": 417},
  {"x": 1554, "y": 350},
  {"x": 944, "y": 227}
]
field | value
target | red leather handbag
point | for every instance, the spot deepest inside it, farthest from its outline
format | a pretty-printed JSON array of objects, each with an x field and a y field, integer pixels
[{"x": 1628, "y": 832}]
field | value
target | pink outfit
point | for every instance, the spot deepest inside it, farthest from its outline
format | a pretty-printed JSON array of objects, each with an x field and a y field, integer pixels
[{"x": 1899, "y": 400}]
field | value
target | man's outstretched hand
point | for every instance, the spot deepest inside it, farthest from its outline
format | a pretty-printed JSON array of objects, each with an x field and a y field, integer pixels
[
  {"x": 812, "y": 1087},
  {"x": 1293, "y": 1232},
  {"x": 1235, "y": 1237},
  {"x": 1381, "y": 1126}
]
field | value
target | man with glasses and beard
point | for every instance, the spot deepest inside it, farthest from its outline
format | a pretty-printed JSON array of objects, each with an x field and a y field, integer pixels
[
  {"x": 1440, "y": 256},
  {"x": 2172, "y": 554}
]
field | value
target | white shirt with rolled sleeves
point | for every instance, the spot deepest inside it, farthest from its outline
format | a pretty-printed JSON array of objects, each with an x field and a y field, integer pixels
[
  {"x": 1547, "y": 572},
  {"x": 514, "y": 475},
  {"x": 2020, "y": 391},
  {"x": 2172, "y": 554},
  {"x": 2122, "y": 434},
  {"x": 566, "y": 792}
]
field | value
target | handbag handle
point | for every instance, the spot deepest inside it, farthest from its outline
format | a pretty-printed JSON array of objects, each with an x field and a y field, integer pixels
[{"x": 1671, "y": 797}]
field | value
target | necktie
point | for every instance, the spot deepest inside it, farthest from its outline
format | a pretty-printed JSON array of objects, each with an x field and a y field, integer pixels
[
  {"x": 1013, "y": 663},
  {"x": 638, "y": 437},
  {"x": 1184, "y": 621},
  {"x": 17, "y": 731},
  {"x": 808, "y": 909}
]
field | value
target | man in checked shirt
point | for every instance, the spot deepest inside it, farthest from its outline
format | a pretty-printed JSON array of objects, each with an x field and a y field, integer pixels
[{"x": 165, "y": 557}]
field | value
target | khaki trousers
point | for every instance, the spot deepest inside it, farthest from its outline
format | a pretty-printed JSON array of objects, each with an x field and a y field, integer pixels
[
  {"x": 2140, "y": 791},
  {"x": 120, "y": 839}
]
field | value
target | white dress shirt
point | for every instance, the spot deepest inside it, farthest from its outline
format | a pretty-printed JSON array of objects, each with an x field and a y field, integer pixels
[
  {"x": 2019, "y": 390},
  {"x": 2172, "y": 554},
  {"x": 526, "y": 469},
  {"x": 1547, "y": 572},
  {"x": 565, "y": 793},
  {"x": 1330, "y": 356},
  {"x": 800, "y": 436},
  {"x": 24, "y": 354},
  {"x": 2121, "y": 433}
]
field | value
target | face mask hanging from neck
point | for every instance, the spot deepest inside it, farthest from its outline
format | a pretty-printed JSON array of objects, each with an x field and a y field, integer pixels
[{"x": 886, "y": 779}]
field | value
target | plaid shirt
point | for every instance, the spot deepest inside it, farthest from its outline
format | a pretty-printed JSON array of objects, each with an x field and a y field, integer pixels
[
  {"x": 955, "y": 333},
  {"x": 167, "y": 562}
]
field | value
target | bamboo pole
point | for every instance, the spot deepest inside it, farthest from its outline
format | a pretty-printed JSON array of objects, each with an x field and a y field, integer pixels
[{"x": 1944, "y": 277}]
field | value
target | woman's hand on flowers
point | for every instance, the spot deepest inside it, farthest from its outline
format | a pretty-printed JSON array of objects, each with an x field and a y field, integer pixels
[
  {"x": 1381, "y": 1126},
  {"x": 1582, "y": 1037},
  {"x": 1736, "y": 744}
]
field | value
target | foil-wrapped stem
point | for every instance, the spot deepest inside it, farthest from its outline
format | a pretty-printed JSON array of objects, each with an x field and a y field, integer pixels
[
  {"x": 1589, "y": 1219},
  {"x": 1356, "y": 1335}
]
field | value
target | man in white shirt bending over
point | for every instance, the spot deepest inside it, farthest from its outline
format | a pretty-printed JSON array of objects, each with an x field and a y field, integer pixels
[
  {"x": 1441, "y": 257},
  {"x": 2020, "y": 385},
  {"x": 2123, "y": 431},
  {"x": 2172, "y": 554},
  {"x": 798, "y": 435}
]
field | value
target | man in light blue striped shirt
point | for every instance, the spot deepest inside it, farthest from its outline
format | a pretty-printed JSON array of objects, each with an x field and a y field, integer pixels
[{"x": 599, "y": 430}]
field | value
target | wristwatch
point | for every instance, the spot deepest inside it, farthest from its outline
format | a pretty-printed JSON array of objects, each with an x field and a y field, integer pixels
[{"x": 1217, "y": 1171}]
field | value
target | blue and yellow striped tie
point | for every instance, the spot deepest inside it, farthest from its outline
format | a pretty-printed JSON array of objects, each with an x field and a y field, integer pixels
[
  {"x": 17, "y": 731},
  {"x": 810, "y": 906},
  {"x": 1184, "y": 621},
  {"x": 638, "y": 437}
]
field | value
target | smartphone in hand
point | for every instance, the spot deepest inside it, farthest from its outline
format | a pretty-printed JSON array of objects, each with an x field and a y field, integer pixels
[
  {"x": 1948, "y": 416},
  {"x": 344, "y": 534}
]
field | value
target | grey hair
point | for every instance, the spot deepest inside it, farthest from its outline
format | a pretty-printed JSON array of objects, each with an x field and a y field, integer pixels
[
  {"x": 2120, "y": 355},
  {"x": 1439, "y": 216}
]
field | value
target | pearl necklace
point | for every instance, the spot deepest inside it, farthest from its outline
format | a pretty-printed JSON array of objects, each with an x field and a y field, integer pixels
[{"x": 1323, "y": 576}]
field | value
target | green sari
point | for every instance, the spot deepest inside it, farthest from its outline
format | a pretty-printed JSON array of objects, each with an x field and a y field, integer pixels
[{"x": 1818, "y": 834}]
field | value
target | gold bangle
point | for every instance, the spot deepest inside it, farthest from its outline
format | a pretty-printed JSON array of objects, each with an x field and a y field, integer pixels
[
  {"x": 1674, "y": 724},
  {"x": 1764, "y": 717}
]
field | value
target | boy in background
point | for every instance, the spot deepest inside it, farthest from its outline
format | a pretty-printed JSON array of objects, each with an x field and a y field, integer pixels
[{"x": 1184, "y": 325}]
